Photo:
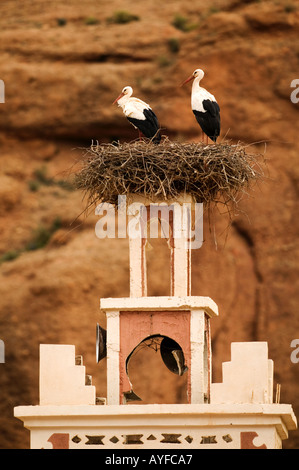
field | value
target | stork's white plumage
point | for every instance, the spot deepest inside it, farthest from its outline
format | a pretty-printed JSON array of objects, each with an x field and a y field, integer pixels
[
  {"x": 204, "y": 106},
  {"x": 140, "y": 114}
]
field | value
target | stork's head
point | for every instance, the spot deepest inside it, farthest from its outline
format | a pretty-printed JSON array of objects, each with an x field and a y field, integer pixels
[
  {"x": 198, "y": 74},
  {"x": 127, "y": 91}
]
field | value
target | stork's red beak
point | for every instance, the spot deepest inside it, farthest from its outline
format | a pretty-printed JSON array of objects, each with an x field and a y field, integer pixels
[
  {"x": 118, "y": 98},
  {"x": 187, "y": 80}
]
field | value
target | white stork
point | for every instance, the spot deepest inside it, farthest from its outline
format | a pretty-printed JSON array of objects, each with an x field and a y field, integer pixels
[
  {"x": 204, "y": 107},
  {"x": 139, "y": 114}
]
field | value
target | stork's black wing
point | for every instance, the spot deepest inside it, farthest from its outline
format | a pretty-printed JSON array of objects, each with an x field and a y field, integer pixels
[
  {"x": 209, "y": 120},
  {"x": 148, "y": 126},
  {"x": 211, "y": 107},
  {"x": 153, "y": 124}
]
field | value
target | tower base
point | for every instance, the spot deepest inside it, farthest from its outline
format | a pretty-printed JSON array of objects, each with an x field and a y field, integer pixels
[{"x": 190, "y": 426}]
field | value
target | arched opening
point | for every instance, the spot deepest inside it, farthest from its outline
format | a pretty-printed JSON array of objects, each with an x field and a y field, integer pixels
[
  {"x": 157, "y": 372},
  {"x": 158, "y": 249}
]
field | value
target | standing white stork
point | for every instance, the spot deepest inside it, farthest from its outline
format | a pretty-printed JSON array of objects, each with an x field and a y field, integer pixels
[
  {"x": 205, "y": 107},
  {"x": 139, "y": 114}
]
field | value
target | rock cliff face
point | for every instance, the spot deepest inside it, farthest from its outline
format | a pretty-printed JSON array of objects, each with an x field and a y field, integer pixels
[{"x": 63, "y": 65}]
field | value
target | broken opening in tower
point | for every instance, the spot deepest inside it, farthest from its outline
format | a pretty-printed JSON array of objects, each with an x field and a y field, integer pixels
[{"x": 143, "y": 365}]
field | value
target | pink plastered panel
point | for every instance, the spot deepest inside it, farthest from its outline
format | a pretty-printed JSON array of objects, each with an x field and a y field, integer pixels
[{"x": 136, "y": 326}]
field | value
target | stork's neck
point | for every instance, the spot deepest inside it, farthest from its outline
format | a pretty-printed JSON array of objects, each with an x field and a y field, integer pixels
[
  {"x": 123, "y": 100},
  {"x": 196, "y": 84}
]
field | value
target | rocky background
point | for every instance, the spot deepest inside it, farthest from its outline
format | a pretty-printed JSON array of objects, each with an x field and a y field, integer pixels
[{"x": 63, "y": 64}]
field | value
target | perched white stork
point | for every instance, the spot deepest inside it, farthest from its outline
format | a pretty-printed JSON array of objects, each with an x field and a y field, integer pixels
[
  {"x": 139, "y": 114},
  {"x": 204, "y": 107}
]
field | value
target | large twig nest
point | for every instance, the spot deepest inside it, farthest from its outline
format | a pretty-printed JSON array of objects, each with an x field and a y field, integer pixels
[{"x": 209, "y": 173}]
